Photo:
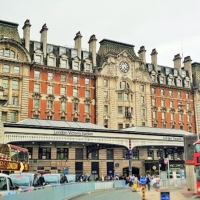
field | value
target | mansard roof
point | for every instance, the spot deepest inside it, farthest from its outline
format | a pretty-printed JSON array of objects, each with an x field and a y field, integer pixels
[{"x": 9, "y": 30}]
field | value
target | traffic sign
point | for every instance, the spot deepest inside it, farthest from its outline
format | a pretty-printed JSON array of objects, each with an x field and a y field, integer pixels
[{"x": 165, "y": 196}]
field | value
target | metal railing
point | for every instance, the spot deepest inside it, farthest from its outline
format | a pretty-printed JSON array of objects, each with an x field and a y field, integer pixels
[
  {"x": 63, "y": 192},
  {"x": 179, "y": 182}
]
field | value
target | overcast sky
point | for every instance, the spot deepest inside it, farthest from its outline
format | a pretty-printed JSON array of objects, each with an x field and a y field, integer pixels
[{"x": 170, "y": 26}]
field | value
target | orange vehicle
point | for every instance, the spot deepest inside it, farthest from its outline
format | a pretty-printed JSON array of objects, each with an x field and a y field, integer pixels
[{"x": 13, "y": 158}]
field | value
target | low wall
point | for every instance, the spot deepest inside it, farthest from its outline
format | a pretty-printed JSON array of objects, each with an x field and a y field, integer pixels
[{"x": 63, "y": 192}]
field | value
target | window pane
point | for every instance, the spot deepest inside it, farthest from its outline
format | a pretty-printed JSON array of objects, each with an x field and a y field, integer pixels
[
  {"x": 120, "y": 110},
  {"x": 105, "y": 95},
  {"x": 12, "y": 54},
  {"x": 51, "y": 61},
  {"x": 15, "y": 85},
  {"x": 50, "y": 76},
  {"x": 105, "y": 83},
  {"x": 6, "y": 68},
  {"x": 79, "y": 153},
  {"x": 7, "y": 53},
  {"x": 38, "y": 59},
  {"x": 63, "y": 91},
  {"x": 63, "y": 78},
  {"x": 75, "y": 107},
  {"x": 87, "y": 93},
  {"x": 36, "y": 103},
  {"x": 119, "y": 96},
  {"x": 12, "y": 117},
  {"x": 16, "y": 70},
  {"x": 105, "y": 108},
  {"x": 87, "y": 81},
  {"x": 5, "y": 83},
  {"x": 63, "y": 64},
  {"x": 1, "y": 52},
  {"x": 50, "y": 89},
  {"x": 75, "y": 79},
  {"x": 75, "y": 92},
  {"x": 87, "y": 108},
  {"x": 63, "y": 105},
  {"x": 15, "y": 101},
  {"x": 50, "y": 104},
  {"x": 76, "y": 65},
  {"x": 36, "y": 88}
]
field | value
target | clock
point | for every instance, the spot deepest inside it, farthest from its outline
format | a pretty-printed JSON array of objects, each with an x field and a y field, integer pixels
[{"x": 124, "y": 67}]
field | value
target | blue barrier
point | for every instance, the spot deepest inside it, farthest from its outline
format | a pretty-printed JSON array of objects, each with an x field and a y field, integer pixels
[{"x": 63, "y": 192}]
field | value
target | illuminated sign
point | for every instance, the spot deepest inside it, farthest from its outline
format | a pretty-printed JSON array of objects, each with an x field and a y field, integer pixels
[
  {"x": 73, "y": 133},
  {"x": 172, "y": 138}
]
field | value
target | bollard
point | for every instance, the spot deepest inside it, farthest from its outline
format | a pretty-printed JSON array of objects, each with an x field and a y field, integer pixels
[{"x": 143, "y": 192}]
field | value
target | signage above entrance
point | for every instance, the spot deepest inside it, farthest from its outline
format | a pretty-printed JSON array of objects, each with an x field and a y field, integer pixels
[
  {"x": 73, "y": 133},
  {"x": 173, "y": 138}
]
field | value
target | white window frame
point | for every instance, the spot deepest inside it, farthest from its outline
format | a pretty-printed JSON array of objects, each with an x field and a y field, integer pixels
[
  {"x": 15, "y": 85},
  {"x": 49, "y": 89},
  {"x": 36, "y": 74},
  {"x": 16, "y": 70},
  {"x": 75, "y": 92},
  {"x": 36, "y": 87},
  {"x": 63, "y": 78},
  {"x": 62, "y": 91}
]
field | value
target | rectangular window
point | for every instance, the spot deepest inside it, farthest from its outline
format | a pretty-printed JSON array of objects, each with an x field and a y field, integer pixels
[
  {"x": 15, "y": 85},
  {"x": 5, "y": 83},
  {"x": 105, "y": 108},
  {"x": 170, "y": 93},
  {"x": 50, "y": 76},
  {"x": 63, "y": 105},
  {"x": 75, "y": 106},
  {"x": 187, "y": 95},
  {"x": 62, "y": 153},
  {"x": 110, "y": 154},
  {"x": 51, "y": 62},
  {"x": 178, "y": 82},
  {"x": 188, "y": 106},
  {"x": 75, "y": 79},
  {"x": 171, "y": 104},
  {"x": 153, "y": 91},
  {"x": 15, "y": 101},
  {"x": 150, "y": 154},
  {"x": 87, "y": 81},
  {"x": 85, "y": 55},
  {"x": 79, "y": 153},
  {"x": 162, "y": 92},
  {"x": 49, "y": 89},
  {"x": 76, "y": 65},
  {"x": 44, "y": 153},
  {"x": 127, "y": 125},
  {"x": 36, "y": 116},
  {"x": 87, "y": 67},
  {"x": 75, "y": 92},
  {"x": 7, "y": 53},
  {"x": 63, "y": 91},
  {"x": 163, "y": 103},
  {"x": 36, "y": 103},
  {"x": 188, "y": 118},
  {"x": 143, "y": 113},
  {"x": 120, "y": 110},
  {"x": 74, "y": 53},
  {"x": 105, "y": 83},
  {"x": 62, "y": 118},
  {"x": 161, "y": 80},
  {"x": 38, "y": 59},
  {"x": 87, "y": 93},
  {"x": 6, "y": 68},
  {"x": 105, "y": 95},
  {"x": 179, "y": 94},
  {"x": 153, "y": 102},
  {"x": 181, "y": 127},
  {"x": 105, "y": 123},
  {"x": 4, "y": 116},
  {"x": 63, "y": 78},
  {"x": 87, "y": 120},
  {"x": 36, "y": 74},
  {"x": 125, "y": 97},
  {"x": 172, "y": 116},
  {"x": 180, "y": 117},
  {"x": 49, "y": 117},
  {"x": 142, "y": 99},
  {"x": 12, "y": 117},
  {"x": 63, "y": 64},
  {"x": 16, "y": 70},
  {"x": 36, "y": 87},
  {"x": 163, "y": 115},
  {"x": 123, "y": 85},
  {"x": 142, "y": 88},
  {"x": 1, "y": 52},
  {"x": 50, "y": 104},
  {"x": 135, "y": 155},
  {"x": 154, "y": 115},
  {"x": 12, "y": 54},
  {"x": 87, "y": 108},
  {"x": 120, "y": 126},
  {"x": 119, "y": 96}
]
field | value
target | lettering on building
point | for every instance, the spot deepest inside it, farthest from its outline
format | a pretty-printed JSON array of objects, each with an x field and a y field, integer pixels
[
  {"x": 74, "y": 133},
  {"x": 173, "y": 138}
]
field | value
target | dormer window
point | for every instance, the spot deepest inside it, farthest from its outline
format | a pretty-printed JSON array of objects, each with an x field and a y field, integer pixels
[
  {"x": 38, "y": 59},
  {"x": 63, "y": 63},
  {"x": 51, "y": 62},
  {"x": 49, "y": 48},
  {"x": 62, "y": 50},
  {"x": 162, "y": 80},
  {"x": 183, "y": 73},
  {"x": 85, "y": 55},
  {"x": 178, "y": 82},
  {"x": 170, "y": 81},
  {"x": 175, "y": 72},
  {"x": 76, "y": 66},
  {"x": 7, "y": 53},
  {"x": 167, "y": 70},
  {"x": 87, "y": 67},
  {"x": 187, "y": 84},
  {"x": 37, "y": 45},
  {"x": 74, "y": 53}
]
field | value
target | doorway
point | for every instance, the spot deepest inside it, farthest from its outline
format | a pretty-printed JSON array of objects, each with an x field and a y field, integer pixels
[{"x": 135, "y": 171}]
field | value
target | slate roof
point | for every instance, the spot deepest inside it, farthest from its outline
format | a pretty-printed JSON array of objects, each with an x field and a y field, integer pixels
[
  {"x": 59, "y": 123},
  {"x": 150, "y": 130}
]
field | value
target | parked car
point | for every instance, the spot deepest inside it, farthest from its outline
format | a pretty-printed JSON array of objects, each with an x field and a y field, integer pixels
[
  {"x": 26, "y": 181},
  {"x": 55, "y": 179}
]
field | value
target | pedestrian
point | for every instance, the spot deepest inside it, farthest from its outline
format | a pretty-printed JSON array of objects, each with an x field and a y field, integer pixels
[
  {"x": 157, "y": 183},
  {"x": 148, "y": 181}
]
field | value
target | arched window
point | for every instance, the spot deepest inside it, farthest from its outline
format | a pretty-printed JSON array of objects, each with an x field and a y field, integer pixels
[{"x": 124, "y": 85}]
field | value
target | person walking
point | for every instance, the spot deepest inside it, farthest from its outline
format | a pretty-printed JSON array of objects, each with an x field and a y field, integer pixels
[{"x": 148, "y": 181}]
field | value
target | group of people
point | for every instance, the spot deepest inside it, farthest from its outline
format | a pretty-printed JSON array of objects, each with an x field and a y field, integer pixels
[{"x": 134, "y": 181}]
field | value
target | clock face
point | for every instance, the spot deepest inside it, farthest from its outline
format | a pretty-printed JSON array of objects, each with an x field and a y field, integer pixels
[{"x": 123, "y": 66}]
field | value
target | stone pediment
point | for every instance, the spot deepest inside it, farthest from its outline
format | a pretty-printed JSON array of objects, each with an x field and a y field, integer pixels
[
  {"x": 36, "y": 95},
  {"x": 88, "y": 100},
  {"x": 75, "y": 100},
  {"x": 50, "y": 97},
  {"x": 63, "y": 98},
  {"x": 49, "y": 112},
  {"x": 76, "y": 58}
]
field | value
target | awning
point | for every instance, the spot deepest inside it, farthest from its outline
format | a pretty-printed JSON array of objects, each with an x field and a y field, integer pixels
[{"x": 18, "y": 148}]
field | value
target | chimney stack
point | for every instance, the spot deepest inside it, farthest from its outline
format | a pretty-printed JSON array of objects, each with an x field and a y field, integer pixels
[
  {"x": 142, "y": 54},
  {"x": 44, "y": 39},
  {"x": 77, "y": 40},
  {"x": 26, "y": 34},
  {"x": 177, "y": 61},
  {"x": 154, "y": 57},
  {"x": 92, "y": 48},
  {"x": 188, "y": 66}
]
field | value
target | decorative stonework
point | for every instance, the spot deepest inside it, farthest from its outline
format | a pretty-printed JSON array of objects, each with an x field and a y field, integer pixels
[
  {"x": 88, "y": 100},
  {"x": 50, "y": 97},
  {"x": 63, "y": 98},
  {"x": 75, "y": 99},
  {"x": 36, "y": 95}
]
